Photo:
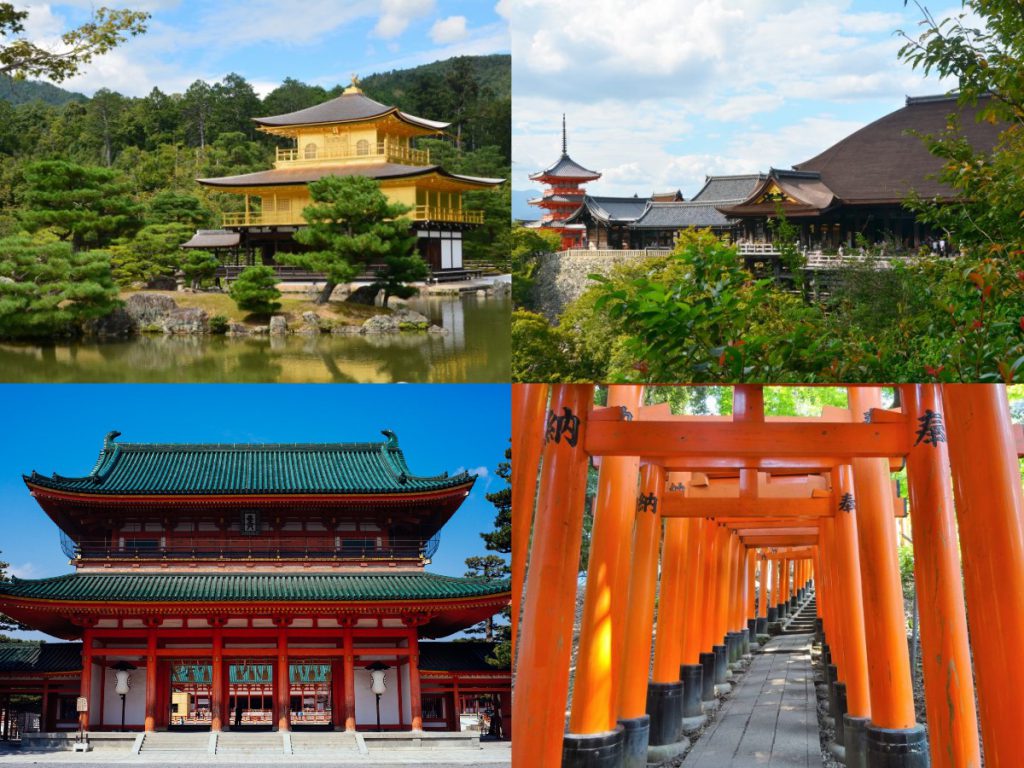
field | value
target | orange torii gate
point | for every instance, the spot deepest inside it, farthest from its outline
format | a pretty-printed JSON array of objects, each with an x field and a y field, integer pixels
[{"x": 657, "y": 473}]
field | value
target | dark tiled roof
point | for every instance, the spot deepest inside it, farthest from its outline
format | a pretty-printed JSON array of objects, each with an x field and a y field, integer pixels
[
  {"x": 612, "y": 209},
  {"x": 213, "y": 238},
  {"x": 558, "y": 199},
  {"x": 727, "y": 189},
  {"x": 199, "y": 469},
  {"x": 40, "y": 657},
  {"x": 466, "y": 656},
  {"x": 883, "y": 161},
  {"x": 668, "y": 197},
  {"x": 175, "y": 587},
  {"x": 285, "y": 176},
  {"x": 680, "y": 216},
  {"x": 567, "y": 168},
  {"x": 347, "y": 108}
]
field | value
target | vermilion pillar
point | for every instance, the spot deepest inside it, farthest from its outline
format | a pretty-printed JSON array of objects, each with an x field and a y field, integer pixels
[
  {"x": 217, "y": 703},
  {"x": 848, "y": 605},
  {"x": 86, "y": 686},
  {"x": 710, "y": 584},
  {"x": 693, "y": 581},
  {"x": 893, "y": 728},
  {"x": 350, "y": 681},
  {"x": 528, "y": 401},
  {"x": 990, "y": 512},
  {"x": 542, "y": 680},
  {"x": 151, "y": 683},
  {"x": 945, "y": 655},
  {"x": 282, "y": 679},
  {"x": 594, "y": 702},
  {"x": 643, "y": 580},
  {"x": 415, "y": 698},
  {"x": 668, "y": 640}
]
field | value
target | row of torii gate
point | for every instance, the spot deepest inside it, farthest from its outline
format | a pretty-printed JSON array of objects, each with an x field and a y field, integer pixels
[{"x": 814, "y": 498}]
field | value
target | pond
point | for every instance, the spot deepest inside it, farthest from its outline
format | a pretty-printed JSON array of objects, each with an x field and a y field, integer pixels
[{"x": 477, "y": 348}]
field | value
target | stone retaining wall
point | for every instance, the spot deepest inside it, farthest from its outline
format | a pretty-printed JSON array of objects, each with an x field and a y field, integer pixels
[{"x": 562, "y": 277}]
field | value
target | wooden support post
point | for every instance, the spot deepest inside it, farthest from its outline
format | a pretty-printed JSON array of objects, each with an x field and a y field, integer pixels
[
  {"x": 151, "y": 679},
  {"x": 847, "y": 601},
  {"x": 724, "y": 572},
  {"x": 528, "y": 402},
  {"x": 644, "y": 577},
  {"x": 542, "y": 680},
  {"x": 282, "y": 679},
  {"x": 710, "y": 583},
  {"x": 44, "y": 717},
  {"x": 86, "y": 682},
  {"x": 350, "y": 680},
  {"x": 668, "y": 640},
  {"x": 415, "y": 697},
  {"x": 218, "y": 703},
  {"x": 945, "y": 655},
  {"x": 595, "y": 696},
  {"x": 990, "y": 512},
  {"x": 893, "y": 723},
  {"x": 751, "y": 583},
  {"x": 694, "y": 584}
]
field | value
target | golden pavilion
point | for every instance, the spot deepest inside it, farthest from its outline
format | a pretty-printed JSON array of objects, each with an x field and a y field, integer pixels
[{"x": 349, "y": 135}]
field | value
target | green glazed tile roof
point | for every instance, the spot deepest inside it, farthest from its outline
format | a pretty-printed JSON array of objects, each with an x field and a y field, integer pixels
[
  {"x": 40, "y": 657},
  {"x": 153, "y": 468},
  {"x": 174, "y": 587}
]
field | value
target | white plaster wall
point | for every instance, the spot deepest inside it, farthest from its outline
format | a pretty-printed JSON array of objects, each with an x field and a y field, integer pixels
[
  {"x": 135, "y": 701},
  {"x": 366, "y": 712},
  {"x": 406, "y": 700}
]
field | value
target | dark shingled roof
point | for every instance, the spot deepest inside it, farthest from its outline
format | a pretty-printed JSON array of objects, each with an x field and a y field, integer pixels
[
  {"x": 40, "y": 657},
  {"x": 347, "y": 108},
  {"x": 213, "y": 238},
  {"x": 197, "y": 469},
  {"x": 680, "y": 216},
  {"x": 463, "y": 656},
  {"x": 254, "y": 587},
  {"x": 883, "y": 162},
  {"x": 567, "y": 168},
  {"x": 612, "y": 209},
  {"x": 727, "y": 189},
  {"x": 292, "y": 176}
]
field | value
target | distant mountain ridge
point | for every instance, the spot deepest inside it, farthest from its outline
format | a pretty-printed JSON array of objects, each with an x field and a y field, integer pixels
[
  {"x": 24, "y": 91},
  {"x": 521, "y": 209}
]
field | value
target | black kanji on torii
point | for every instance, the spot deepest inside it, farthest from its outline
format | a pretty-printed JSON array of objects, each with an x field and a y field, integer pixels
[
  {"x": 648, "y": 503},
  {"x": 567, "y": 424},
  {"x": 847, "y": 503},
  {"x": 931, "y": 430}
]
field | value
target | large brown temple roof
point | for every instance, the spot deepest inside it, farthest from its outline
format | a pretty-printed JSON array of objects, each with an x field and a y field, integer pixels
[
  {"x": 884, "y": 161},
  {"x": 304, "y": 175},
  {"x": 352, "y": 106}
]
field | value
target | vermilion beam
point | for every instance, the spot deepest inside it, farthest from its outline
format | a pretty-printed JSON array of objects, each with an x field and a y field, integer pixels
[{"x": 677, "y": 505}]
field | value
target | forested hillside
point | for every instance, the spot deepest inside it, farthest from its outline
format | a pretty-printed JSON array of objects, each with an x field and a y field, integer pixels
[
  {"x": 159, "y": 144},
  {"x": 24, "y": 91}
]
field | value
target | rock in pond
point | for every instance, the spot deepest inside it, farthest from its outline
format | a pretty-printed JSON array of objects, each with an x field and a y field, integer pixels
[
  {"x": 381, "y": 324},
  {"x": 185, "y": 320},
  {"x": 149, "y": 308},
  {"x": 278, "y": 325}
]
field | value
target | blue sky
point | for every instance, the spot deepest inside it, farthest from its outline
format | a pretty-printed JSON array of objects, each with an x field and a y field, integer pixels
[
  {"x": 659, "y": 93},
  {"x": 317, "y": 41},
  {"x": 60, "y": 428}
]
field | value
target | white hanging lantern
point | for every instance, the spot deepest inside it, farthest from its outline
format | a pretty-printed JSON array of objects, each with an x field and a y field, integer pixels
[{"x": 378, "y": 673}]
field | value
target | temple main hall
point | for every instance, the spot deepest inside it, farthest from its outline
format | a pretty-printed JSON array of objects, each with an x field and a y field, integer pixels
[{"x": 251, "y": 587}]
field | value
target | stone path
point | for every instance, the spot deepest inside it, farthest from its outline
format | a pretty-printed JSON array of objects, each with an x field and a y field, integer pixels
[{"x": 770, "y": 719}]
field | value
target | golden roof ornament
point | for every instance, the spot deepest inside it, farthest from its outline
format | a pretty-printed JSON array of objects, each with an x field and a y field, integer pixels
[{"x": 354, "y": 88}]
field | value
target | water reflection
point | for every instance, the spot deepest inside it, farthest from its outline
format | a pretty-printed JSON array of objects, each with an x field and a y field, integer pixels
[{"x": 477, "y": 348}]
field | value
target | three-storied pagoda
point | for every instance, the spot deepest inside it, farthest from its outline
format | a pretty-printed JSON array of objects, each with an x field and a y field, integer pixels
[
  {"x": 351, "y": 135},
  {"x": 252, "y": 585},
  {"x": 563, "y": 196}
]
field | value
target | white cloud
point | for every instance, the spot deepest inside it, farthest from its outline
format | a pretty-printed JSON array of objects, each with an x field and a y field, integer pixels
[
  {"x": 448, "y": 30},
  {"x": 23, "y": 571},
  {"x": 396, "y": 15}
]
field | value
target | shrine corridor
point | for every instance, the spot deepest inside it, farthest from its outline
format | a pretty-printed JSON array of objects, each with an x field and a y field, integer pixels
[{"x": 770, "y": 718}]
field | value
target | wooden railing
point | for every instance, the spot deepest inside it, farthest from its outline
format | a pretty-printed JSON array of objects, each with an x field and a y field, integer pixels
[
  {"x": 294, "y": 219},
  {"x": 619, "y": 252},
  {"x": 381, "y": 151}
]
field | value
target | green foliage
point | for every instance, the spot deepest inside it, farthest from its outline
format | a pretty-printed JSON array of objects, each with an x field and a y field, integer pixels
[
  {"x": 50, "y": 289},
  {"x": 500, "y": 539},
  {"x": 20, "y": 57},
  {"x": 15, "y": 91},
  {"x": 546, "y": 353},
  {"x": 198, "y": 266},
  {"x": 351, "y": 224},
  {"x": 154, "y": 251},
  {"x": 170, "y": 207},
  {"x": 85, "y": 206},
  {"x": 218, "y": 324},
  {"x": 255, "y": 290},
  {"x": 526, "y": 248},
  {"x": 786, "y": 238},
  {"x": 6, "y": 622}
]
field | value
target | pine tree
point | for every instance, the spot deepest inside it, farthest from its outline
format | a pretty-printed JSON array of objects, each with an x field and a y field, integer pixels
[
  {"x": 199, "y": 266},
  {"x": 491, "y": 567},
  {"x": 351, "y": 225},
  {"x": 6, "y": 623},
  {"x": 255, "y": 291}
]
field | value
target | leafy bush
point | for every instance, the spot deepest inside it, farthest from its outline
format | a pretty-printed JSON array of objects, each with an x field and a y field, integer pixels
[
  {"x": 199, "y": 266},
  {"x": 218, "y": 324},
  {"x": 255, "y": 291}
]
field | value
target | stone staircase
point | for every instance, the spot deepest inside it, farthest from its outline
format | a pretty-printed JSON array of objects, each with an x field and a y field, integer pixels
[
  {"x": 174, "y": 744},
  {"x": 325, "y": 743},
  {"x": 803, "y": 621},
  {"x": 245, "y": 743}
]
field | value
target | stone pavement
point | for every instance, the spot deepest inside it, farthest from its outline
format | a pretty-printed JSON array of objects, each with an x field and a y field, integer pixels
[
  {"x": 770, "y": 719},
  {"x": 489, "y": 755}
]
